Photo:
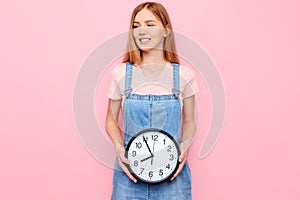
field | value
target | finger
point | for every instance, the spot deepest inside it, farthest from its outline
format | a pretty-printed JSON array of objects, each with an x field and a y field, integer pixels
[
  {"x": 124, "y": 159},
  {"x": 181, "y": 157},
  {"x": 121, "y": 154},
  {"x": 127, "y": 172},
  {"x": 177, "y": 172},
  {"x": 179, "y": 169}
]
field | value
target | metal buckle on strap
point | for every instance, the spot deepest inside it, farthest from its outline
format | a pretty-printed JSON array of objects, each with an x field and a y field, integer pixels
[
  {"x": 176, "y": 93},
  {"x": 127, "y": 92}
]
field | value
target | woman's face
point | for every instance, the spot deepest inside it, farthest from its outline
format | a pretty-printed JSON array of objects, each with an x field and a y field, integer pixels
[{"x": 148, "y": 31}]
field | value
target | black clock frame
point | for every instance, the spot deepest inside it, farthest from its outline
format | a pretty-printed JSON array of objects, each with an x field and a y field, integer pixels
[{"x": 153, "y": 130}]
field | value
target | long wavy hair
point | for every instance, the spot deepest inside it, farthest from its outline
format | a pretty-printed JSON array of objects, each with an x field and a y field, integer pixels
[{"x": 133, "y": 54}]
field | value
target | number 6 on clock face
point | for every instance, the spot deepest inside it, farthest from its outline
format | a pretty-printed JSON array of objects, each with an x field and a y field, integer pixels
[{"x": 153, "y": 155}]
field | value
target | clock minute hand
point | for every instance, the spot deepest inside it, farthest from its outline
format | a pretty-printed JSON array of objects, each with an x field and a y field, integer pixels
[{"x": 147, "y": 146}]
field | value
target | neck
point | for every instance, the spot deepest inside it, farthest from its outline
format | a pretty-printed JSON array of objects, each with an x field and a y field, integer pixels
[{"x": 153, "y": 57}]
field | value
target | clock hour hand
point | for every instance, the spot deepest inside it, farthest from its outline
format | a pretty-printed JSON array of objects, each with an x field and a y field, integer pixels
[
  {"x": 147, "y": 158},
  {"x": 147, "y": 146}
]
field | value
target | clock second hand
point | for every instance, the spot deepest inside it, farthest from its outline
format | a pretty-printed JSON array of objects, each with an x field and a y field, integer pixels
[{"x": 153, "y": 152}]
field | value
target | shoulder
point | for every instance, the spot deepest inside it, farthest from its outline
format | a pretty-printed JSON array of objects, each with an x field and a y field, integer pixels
[
  {"x": 119, "y": 68},
  {"x": 188, "y": 80},
  {"x": 186, "y": 72},
  {"x": 119, "y": 71}
]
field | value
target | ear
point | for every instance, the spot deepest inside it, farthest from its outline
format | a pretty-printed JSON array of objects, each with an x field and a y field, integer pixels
[{"x": 167, "y": 31}]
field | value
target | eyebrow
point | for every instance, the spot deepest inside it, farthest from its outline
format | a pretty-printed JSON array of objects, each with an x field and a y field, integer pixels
[{"x": 145, "y": 21}]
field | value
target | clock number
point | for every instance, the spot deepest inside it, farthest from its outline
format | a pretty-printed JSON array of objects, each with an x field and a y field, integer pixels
[
  {"x": 155, "y": 137},
  {"x": 161, "y": 172},
  {"x": 164, "y": 141},
  {"x": 133, "y": 153},
  {"x": 169, "y": 148},
  {"x": 138, "y": 145},
  {"x": 171, "y": 157},
  {"x": 168, "y": 166},
  {"x": 142, "y": 170},
  {"x": 151, "y": 174},
  {"x": 135, "y": 163}
]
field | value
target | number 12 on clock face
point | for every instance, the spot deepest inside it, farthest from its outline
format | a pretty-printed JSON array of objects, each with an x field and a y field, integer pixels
[{"x": 153, "y": 155}]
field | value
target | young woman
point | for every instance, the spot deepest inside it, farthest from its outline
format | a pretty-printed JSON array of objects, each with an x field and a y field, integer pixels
[{"x": 151, "y": 93}]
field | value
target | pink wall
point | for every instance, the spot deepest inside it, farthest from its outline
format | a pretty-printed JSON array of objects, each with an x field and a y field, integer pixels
[{"x": 254, "y": 44}]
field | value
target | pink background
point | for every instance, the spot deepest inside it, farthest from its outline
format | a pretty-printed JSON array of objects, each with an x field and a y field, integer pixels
[{"x": 254, "y": 44}]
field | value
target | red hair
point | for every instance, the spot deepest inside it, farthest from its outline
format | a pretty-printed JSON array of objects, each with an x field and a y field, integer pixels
[{"x": 133, "y": 53}]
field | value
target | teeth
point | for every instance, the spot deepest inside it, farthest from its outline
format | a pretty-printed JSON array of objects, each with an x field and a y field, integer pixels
[{"x": 143, "y": 40}]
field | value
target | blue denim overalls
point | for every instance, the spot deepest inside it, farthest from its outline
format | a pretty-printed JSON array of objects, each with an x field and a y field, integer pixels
[{"x": 151, "y": 111}]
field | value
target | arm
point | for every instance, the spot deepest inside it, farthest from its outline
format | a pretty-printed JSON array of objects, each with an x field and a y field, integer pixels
[
  {"x": 114, "y": 131},
  {"x": 111, "y": 125},
  {"x": 188, "y": 131}
]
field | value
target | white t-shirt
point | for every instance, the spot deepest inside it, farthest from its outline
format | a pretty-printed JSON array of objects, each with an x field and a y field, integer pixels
[{"x": 160, "y": 85}]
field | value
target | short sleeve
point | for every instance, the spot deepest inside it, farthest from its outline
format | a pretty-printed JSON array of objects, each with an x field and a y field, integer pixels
[
  {"x": 114, "y": 89},
  {"x": 190, "y": 85}
]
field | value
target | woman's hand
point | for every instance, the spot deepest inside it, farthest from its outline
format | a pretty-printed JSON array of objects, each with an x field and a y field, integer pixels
[
  {"x": 188, "y": 131},
  {"x": 184, "y": 149},
  {"x": 122, "y": 161},
  {"x": 114, "y": 131}
]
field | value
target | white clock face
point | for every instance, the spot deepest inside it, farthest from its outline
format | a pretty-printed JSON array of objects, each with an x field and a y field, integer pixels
[{"x": 153, "y": 155}]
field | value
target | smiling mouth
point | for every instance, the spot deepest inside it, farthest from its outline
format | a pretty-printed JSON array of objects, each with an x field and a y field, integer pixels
[{"x": 144, "y": 40}]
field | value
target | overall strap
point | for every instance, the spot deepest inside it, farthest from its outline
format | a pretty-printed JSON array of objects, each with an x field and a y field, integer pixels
[
  {"x": 128, "y": 78},
  {"x": 176, "y": 82}
]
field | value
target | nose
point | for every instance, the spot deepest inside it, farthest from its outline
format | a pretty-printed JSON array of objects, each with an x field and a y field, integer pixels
[{"x": 142, "y": 30}]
